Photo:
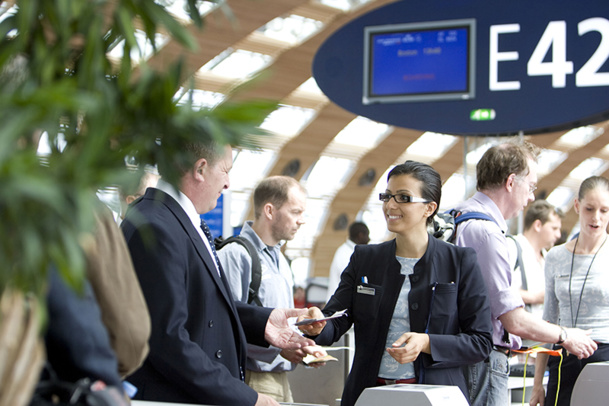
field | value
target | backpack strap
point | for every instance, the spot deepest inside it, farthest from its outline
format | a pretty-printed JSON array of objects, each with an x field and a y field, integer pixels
[
  {"x": 519, "y": 263},
  {"x": 472, "y": 215},
  {"x": 460, "y": 217},
  {"x": 256, "y": 266}
]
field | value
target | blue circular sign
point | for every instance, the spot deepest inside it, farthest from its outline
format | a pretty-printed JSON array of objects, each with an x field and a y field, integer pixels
[{"x": 472, "y": 67}]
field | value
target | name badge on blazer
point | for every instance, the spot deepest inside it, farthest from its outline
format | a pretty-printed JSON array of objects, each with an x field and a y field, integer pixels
[{"x": 366, "y": 290}]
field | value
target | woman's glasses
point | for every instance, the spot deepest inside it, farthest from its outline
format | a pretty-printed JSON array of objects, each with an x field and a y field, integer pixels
[{"x": 401, "y": 198}]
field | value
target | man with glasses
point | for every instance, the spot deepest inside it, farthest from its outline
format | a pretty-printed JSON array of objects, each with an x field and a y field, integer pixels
[{"x": 506, "y": 179}]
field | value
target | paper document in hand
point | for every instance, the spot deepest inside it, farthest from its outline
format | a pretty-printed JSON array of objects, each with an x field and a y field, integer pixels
[
  {"x": 310, "y": 321},
  {"x": 311, "y": 359}
]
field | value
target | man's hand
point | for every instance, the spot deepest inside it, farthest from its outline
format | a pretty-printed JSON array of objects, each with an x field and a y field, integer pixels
[
  {"x": 312, "y": 329},
  {"x": 297, "y": 356},
  {"x": 415, "y": 343},
  {"x": 280, "y": 334},
  {"x": 579, "y": 343}
]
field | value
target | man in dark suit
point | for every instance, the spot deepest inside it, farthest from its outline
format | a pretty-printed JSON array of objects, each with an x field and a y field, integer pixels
[{"x": 199, "y": 334}]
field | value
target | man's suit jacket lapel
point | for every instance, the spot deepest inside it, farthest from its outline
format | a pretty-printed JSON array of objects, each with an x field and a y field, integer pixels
[{"x": 202, "y": 250}]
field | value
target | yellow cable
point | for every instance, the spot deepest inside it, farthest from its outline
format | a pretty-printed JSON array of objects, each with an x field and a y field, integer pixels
[
  {"x": 558, "y": 383},
  {"x": 524, "y": 379}
]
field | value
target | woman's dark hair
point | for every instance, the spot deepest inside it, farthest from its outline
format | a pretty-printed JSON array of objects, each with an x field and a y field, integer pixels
[
  {"x": 590, "y": 183},
  {"x": 431, "y": 183}
]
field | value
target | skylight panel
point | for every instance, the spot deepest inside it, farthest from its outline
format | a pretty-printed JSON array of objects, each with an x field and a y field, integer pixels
[
  {"x": 239, "y": 64},
  {"x": 578, "y": 136},
  {"x": 200, "y": 98},
  {"x": 561, "y": 197},
  {"x": 372, "y": 213},
  {"x": 455, "y": 190},
  {"x": 344, "y": 5},
  {"x": 328, "y": 176},
  {"x": 178, "y": 8},
  {"x": 475, "y": 154},
  {"x": 362, "y": 132},
  {"x": 5, "y": 12},
  {"x": 309, "y": 86},
  {"x": 315, "y": 216},
  {"x": 589, "y": 167},
  {"x": 144, "y": 50},
  {"x": 548, "y": 160},
  {"x": 249, "y": 167},
  {"x": 288, "y": 120},
  {"x": 239, "y": 204},
  {"x": 293, "y": 29},
  {"x": 431, "y": 144}
]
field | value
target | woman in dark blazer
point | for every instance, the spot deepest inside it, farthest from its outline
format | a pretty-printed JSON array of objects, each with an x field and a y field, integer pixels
[{"x": 419, "y": 329}]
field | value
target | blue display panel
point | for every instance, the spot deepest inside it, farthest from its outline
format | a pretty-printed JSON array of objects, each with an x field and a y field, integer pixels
[
  {"x": 539, "y": 66},
  {"x": 419, "y": 61}
]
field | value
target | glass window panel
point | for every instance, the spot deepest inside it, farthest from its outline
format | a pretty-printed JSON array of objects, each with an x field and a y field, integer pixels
[
  {"x": 239, "y": 203},
  {"x": 561, "y": 197},
  {"x": 249, "y": 168},
  {"x": 454, "y": 191},
  {"x": 589, "y": 167},
  {"x": 548, "y": 160},
  {"x": 373, "y": 215},
  {"x": 145, "y": 50},
  {"x": 345, "y": 5},
  {"x": 241, "y": 64},
  {"x": 178, "y": 8},
  {"x": 328, "y": 176},
  {"x": 315, "y": 216},
  {"x": 300, "y": 268},
  {"x": 431, "y": 144},
  {"x": 578, "y": 136},
  {"x": 309, "y": 86},
  {"x": 362, "y": 132},
  {"x": 474, "y": 155},
  {"x": 288, "y": 120},
  {"x": 292, "y": 29},
  {"x": 200, "y": 98}
]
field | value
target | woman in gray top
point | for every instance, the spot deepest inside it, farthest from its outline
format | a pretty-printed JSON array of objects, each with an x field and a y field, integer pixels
[{"x": 577, "y": 291}]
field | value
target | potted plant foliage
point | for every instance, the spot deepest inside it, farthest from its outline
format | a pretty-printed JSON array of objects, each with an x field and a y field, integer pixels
[{"x": 57, "y": 81}]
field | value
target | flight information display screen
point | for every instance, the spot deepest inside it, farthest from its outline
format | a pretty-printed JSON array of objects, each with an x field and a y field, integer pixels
[{"x": 419, "y": 61}]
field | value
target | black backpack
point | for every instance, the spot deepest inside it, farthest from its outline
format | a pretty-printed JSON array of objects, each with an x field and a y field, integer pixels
[
  {"x": 445, "y": 224},
  {"x": 256, "y": 265}
]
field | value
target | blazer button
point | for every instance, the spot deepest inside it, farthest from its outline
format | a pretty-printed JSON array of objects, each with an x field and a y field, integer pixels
[
  {"x": 211, "y": 323},
  {"x": 415, "y": 278},
  {"x": 219, "y": 354},
  {"x": 415, "y": 306}
]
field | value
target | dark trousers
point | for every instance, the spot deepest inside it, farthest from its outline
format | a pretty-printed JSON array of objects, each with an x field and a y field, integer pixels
[{"x": 570, "y": 370}]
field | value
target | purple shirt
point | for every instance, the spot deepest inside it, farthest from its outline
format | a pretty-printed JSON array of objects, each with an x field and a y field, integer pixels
[{"x": 488, "y": 239}]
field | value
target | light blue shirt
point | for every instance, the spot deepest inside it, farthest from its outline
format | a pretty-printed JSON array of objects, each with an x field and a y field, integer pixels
[
  {"x": 276, "y": 290},
  {"x": 400, "y": 324},
  {"x": 488, "y": 239}
]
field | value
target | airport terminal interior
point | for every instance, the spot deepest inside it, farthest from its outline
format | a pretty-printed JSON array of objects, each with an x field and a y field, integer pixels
[
  {"x": 341, "y": 158},
  {"x": 251, "y": 49}
]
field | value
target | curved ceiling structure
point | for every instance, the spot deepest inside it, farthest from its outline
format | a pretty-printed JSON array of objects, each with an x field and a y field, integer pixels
[{"x": 319, "y": 143}]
